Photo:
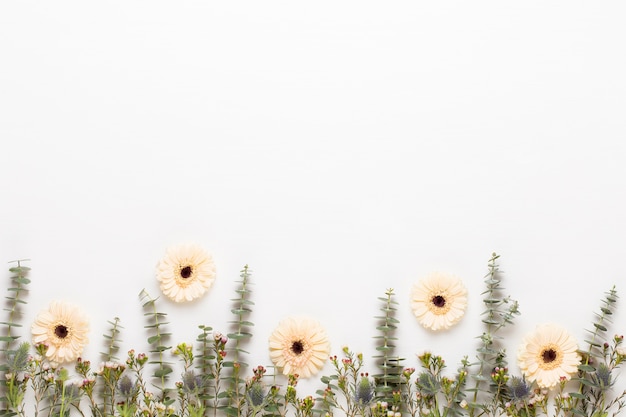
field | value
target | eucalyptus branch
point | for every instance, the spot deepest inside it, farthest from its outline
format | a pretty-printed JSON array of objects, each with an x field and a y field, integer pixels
[
  {"x": 112, "y": 341},
  {"x": 389, "y": 379},
  {"x": 12, "y": 388},
  {"x": 19, "y": 286},
  {"x": 157, "y": 340},
  {"x": 499, "y": 312},
  {"x": 241, "y": 309}
]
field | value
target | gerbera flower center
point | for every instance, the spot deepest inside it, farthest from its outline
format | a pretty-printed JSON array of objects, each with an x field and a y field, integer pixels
[
  {"x": 439, "y": 304},
  {"x": 550, "y": 357},
  {"x": 439, "y": 301},
  {"x": 297, "y": 347},
  {"x": 61, "y": 331},
  {"x": 186, "y": 272}
]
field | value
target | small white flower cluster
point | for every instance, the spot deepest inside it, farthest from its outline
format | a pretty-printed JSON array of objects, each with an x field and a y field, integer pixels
[
  {"x": 538, "y": 397},
  {"x": 109, "y": 365},
  {"x": 382, "y": 406},
  {"x": 156, "y": 408}
]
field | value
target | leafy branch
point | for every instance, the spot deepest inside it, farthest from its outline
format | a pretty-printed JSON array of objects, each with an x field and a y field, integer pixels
[
  {"x": 111, "y": 340},
  {"x": 19, "y": 282},
  {"x": 499, "y": 312},
  {"x": 241, "y": 309},
  {"x": 597, "y": 364},
  {"x": 388, "y": 380},
  {"x": 11, "y": 389},
  {"x": 156, "y": 320}
]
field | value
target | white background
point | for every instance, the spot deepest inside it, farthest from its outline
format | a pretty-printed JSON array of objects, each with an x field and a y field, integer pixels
[{"x": 338, "y": 148}]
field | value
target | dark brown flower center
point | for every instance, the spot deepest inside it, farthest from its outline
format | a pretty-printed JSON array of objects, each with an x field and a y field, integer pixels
[
  {"x": 61, "y": 331},
  {"x": 548, "y": 355},
  {"x": 439, "y": 301},
  {"x": 297, "y": 347},
  {"x": 186, "y": 272}
]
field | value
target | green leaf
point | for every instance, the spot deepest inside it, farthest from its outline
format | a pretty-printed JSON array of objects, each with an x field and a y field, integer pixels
[
  {"x": 162, "y": 372},
  {"x": 239, "y": 336},
  {"x": 8, "y": 339},
  {"x": 231, "y": 411},
  {"x": 600, "y": 327},
  {"x": 593, "y": 344},
  {"x": 161, "y": 348},
  {"x": 241, "y": 310},
  {"x": 588, "y": 383},
  {"x": 384, "y": 348}
]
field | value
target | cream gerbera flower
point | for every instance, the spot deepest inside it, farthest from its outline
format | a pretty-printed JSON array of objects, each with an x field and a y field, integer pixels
[
  {"x": 186, "y": 272},
  {"x": 547, "y": 355},
  {"x": 63, "y": 328},
  {"x": 299, "y": 346},
  {"x": 439, "y": 301}
]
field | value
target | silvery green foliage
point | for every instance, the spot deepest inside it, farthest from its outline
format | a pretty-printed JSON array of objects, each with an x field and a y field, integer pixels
[
  {"x": 428, "y": 384},
  {"x": 19, "y": 284},
  {"x": 13, "y": 360},
  {"x": 242, "y": 309},
  {"x": 17, "y": 359},
  {"x": 499, "y": 312},
  {"x": 112, "y": 341},
  {"x": 388, "y": 379},
  {"x": 599, "y": 360},
  {"x": 157, "y": 340}
]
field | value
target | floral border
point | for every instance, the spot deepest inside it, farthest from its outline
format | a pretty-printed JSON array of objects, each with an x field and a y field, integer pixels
[{"x": 558, "y": 377}]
